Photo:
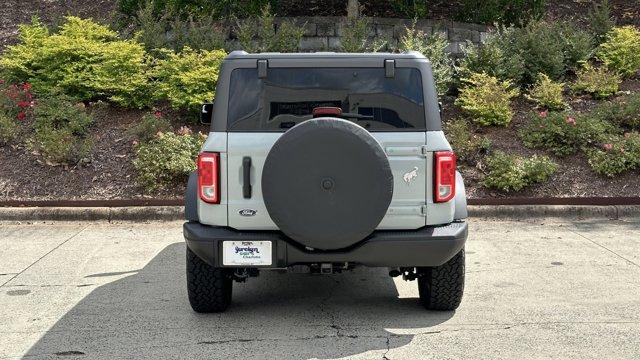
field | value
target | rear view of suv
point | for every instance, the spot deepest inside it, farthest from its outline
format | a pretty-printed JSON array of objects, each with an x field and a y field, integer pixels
[{"x": 320, "y": 163}]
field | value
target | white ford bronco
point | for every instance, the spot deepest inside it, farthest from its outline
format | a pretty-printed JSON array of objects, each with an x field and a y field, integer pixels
[{"x": 320, "y": 163}]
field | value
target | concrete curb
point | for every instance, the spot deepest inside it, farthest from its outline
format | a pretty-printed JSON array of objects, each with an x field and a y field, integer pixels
[
  {"x": 130, "y": 213},
  {"x": 171, "y": 213}
]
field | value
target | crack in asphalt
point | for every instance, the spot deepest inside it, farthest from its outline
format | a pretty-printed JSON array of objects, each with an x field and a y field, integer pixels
[
  {"x": 43, "y": 256},
  {"x": 604, "y": 247},
  {"x": 323, "y": 304},
  {"x": 388, "y": 341}
]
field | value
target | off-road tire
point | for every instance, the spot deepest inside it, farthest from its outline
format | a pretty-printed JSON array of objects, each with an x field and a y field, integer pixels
[
  {"x": 209, "y": 288},
  {"x": 441, "y": 287}
]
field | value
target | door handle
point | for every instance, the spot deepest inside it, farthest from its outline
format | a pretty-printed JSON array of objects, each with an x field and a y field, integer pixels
[{"x": 246, "y": 177}]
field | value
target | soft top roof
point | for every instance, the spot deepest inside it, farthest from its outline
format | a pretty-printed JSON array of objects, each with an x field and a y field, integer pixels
[{"x": 239, "y": 54}]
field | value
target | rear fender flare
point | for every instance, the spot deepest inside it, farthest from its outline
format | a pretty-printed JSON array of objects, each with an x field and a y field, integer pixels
[
  {"x": 191, "y": 198},
  {"x": 460, "y": 199}
]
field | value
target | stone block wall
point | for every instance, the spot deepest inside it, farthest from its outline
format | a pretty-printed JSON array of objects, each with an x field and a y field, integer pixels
[{"x": 324, "y": 33}]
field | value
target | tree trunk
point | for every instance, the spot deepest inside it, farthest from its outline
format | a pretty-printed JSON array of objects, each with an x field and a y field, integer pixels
[{"x": 353, "y": 9}]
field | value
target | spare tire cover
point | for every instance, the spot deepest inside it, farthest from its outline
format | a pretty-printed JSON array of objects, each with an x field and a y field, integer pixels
[{"x": 327, "y": 183}]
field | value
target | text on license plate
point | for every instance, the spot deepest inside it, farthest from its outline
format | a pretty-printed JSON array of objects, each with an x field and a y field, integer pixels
[{"x": 255, "y": 253}]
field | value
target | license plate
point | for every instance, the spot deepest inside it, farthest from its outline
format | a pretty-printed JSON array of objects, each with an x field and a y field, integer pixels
[{"x": 246, "y": 253}]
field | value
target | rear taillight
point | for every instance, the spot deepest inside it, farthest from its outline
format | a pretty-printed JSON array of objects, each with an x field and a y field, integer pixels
[
  {"x": 445, "y": 176},
  {"x": 209, "y": 177}
]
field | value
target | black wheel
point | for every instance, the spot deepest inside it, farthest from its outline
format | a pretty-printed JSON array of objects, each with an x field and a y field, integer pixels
[
  {"x": 209, "y": 287},
  {"x": 441, "y": 287}
]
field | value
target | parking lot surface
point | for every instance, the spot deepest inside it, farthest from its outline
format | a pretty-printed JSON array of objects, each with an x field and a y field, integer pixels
[{"x": 543, "y": 289}]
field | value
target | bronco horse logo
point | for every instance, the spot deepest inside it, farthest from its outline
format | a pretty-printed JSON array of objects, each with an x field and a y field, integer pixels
[{"x": 408, "y": 177}]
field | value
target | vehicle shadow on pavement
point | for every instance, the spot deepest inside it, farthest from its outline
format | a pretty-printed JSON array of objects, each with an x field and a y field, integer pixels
[{"x": 147, "y": 315}]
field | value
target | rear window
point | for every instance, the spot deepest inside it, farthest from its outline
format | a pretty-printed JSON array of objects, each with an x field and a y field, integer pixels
[{"x": 287, "y": 96}]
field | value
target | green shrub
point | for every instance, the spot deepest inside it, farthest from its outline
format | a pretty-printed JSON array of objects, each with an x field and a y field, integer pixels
[
  {"x": 85, "y": 59},
  {"x": 411, "y": 9},
  {"x": 171, "y": 31},
  {"x": 189, "y": 78},
  {"x": 167, "y": 159},
  {"x": 505, "y": 12},
  {"x": 434, "y": 47},
  {"x": 149, "y": 126},
  {"x": 260, "y": 35},
  {"x": 550, "y": 48},
  {"x": 487, "y": 100},
  {"x": 60, "y": 129},
  {"x": 547, "y": 93},
  {"x": 355, "y": 37},
  {"x": 600, "y": 20},
  {"x": 9, "y": 129},
  {"x": 493, "y": 58},
  {"x": 219, "y": 9},
  {"x": 511, "y": 172},
  {"x": 619, "y": 155},
  {"x": 520, "y": 54},
  {"x": 621, "y": 50},
  {"x": 562, "y": 133},
  {"x": 599, "y": 82},
  {"x": 578, "y": 44},
  {"x": 464, "y": 142},
  {"x": 625, "y": 111}
]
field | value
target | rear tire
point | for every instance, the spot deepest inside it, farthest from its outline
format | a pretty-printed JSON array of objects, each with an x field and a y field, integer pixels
[
  {"x": 209, "y": 288},
  {"x": 441, "y": 287}
]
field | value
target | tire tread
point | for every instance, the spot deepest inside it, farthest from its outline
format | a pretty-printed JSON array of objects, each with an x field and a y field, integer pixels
[
  {"x": 209, "y": 288},
  {"x": 441, "y": 287}
]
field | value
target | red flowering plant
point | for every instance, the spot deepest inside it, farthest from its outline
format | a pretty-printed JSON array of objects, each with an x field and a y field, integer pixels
[
  {"x": 16, "y": 100},
  {"x": 149, "y": 127},
  {"x": 563, "y": 133},
  {"x": 617, "y": 154}
]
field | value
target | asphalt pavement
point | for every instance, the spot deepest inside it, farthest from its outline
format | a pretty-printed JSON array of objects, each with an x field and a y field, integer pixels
[{"x": 540, "y": 289}]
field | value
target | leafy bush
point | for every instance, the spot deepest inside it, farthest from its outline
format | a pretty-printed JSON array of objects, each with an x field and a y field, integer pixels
[
  {"x": 549, "y": 48},
  {"x": 411, "y": 9},
  {"x": 150, "y": 125},
  {"x": 600, "y": 20},
  {"x": 170, "y": 31},
  {"x": 547, "y": 93},
  {"x": 167, "y": 159},
  {"x": 260, "y": 35},
  {"x": 619, "y": 155},
  {"x": 9, "y": 129},
  {"x": 434, "y": 47},
  {"x": 85, "y": 59},
  {"x": 520, "y": 54},
  {"x": 599, "y": 82},
  {"x": 487, "y": 100},
  {"x": 355, "y": 35},
  {"x": 60, "y": 129},
  {"x": 493, "y": 58},
  {"x": 464, "y": 142},
  {"x": 16, "y": 100},
  {"x": 511, "y": 172},
  {"x": 625, "y": 111},
  {"x": 621, "y": 50},
  {"x": 505, "y": 12},
  {"x": 189, "y": 78},
  {"x": 562, "y": 133},
  {"x": 218, "y": 9},
  {"x": 578, "y": 44}
]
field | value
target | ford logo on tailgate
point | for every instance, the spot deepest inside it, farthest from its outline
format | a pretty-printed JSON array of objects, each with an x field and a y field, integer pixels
[{"x": 247, "y": 212}]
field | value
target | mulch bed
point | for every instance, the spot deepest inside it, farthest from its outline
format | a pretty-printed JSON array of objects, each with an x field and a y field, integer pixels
[
  {"x": 109, "y": 173},
  {"x": 574, "y": 178}
]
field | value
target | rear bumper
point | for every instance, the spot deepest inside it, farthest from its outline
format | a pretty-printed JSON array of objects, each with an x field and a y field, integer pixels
[{"x": 428, "y": 246}]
